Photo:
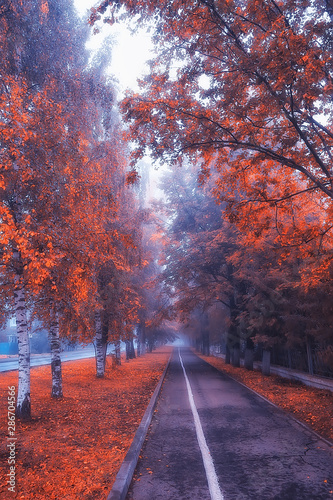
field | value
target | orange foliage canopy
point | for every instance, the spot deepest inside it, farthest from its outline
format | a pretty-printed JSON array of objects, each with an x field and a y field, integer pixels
[
  {"x": 267, "y": 85},
  {"x": 63, "y": 164},
  {"x": 267, "y": 68},
  {"x": 62, "y": 179},
  {"x": 244, "y": 89}
]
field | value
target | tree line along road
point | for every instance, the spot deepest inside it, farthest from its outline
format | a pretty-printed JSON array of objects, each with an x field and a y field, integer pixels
[{"x": 212, "y": 438}]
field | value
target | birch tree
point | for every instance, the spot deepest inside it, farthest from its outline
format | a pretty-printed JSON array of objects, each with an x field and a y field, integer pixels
[{"x": 50, "y": 158}]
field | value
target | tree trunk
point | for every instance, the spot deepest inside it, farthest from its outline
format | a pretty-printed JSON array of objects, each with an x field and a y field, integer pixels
[
  {"x": 248, "y": 359},
  {"x": 227, "y": 358},
  {"x": 138, "y": 348},
  {"x": 55, "y": 357},
  {"x": 150, "y": 345},
  {"x": 232, "y": 341},
  {"x": 141, "y": 349},
  {"x": 236, "y": 356},
  {"x": 132, "y": 349},
  {"x": 117, "y": 353},
  {"x": 127, "y": 349},
  {"x": 23, "y": 407},
  {"x": 266, "y": 362},
  {"x": 205, "y": 344},
  {"x": 309, "y": 355},
  {"x": 249, "y": 354},
  {"x": 100, "y": 346}
]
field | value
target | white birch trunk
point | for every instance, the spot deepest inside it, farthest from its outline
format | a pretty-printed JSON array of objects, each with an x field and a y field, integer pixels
[
  {"x": 23, "y": 406},
  {"x": 55, "y": 357},
  {"x": 100, "y": 346}
]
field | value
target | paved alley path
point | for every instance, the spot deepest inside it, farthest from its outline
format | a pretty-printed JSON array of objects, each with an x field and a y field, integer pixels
[{"x": 211, "y": 438}]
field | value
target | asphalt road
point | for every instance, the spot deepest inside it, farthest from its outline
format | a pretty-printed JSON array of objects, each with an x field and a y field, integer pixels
[
  {"x": 226, "y": 444},
  {"x": 38, "y": 360}
]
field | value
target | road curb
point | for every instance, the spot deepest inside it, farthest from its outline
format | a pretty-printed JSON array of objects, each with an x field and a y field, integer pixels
[
  {"x": 287, "y": 414},
  {"x": 124, "y": 477}
]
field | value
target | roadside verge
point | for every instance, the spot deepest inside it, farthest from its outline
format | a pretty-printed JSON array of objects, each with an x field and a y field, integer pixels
[
  {"x": 310, "y": 406},
  {"x": 316, "y": 381}
]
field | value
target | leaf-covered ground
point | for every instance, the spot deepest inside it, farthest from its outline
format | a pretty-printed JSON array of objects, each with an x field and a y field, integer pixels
[
  {"x": 73, "y": 448},
  {"x": 313, "y": 407}
]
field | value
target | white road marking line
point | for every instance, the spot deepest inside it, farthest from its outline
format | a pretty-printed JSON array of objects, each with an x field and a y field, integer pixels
[{"x": 213, "y": 483}]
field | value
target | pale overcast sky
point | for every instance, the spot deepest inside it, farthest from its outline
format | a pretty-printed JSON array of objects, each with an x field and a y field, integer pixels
[{"x": 129, "y": 53}]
